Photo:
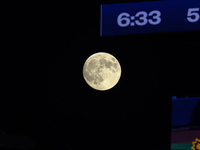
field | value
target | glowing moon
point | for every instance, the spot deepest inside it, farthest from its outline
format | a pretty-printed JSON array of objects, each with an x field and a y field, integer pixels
[{"x": 101, "y": 71}]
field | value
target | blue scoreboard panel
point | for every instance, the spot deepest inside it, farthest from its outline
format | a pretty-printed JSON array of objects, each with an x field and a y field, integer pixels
[{"x": 150, "y": 17}]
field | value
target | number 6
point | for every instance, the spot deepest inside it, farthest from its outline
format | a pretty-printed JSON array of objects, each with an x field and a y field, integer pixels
[{"x": 123, "y": 19}]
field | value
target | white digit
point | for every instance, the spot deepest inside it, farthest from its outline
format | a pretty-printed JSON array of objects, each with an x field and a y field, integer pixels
[
  {"x": 142, "y": 18},
  {"x": 156, "y": 16},
  {"x": 123, "y": 20},
  {"x": 193, "y": 16}
]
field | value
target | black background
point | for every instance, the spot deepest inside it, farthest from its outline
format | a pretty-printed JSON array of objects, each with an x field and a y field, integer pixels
[{"x": 49, "y": 99}]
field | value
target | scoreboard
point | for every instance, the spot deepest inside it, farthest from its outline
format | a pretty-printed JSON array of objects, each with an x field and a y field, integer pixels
[{"x": 150, "y": 17}]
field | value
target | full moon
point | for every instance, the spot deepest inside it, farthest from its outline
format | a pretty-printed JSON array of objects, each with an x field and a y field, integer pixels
[{"x": 101, "y": 71}]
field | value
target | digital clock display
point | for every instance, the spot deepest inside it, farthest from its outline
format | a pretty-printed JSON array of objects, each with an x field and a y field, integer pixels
[
  {"x": 141, "y": 18},
  {"x": 149, "y": 17}
]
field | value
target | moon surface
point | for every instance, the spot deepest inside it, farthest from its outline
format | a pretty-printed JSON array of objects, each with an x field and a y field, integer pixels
[{"x": 101, "y": 71}]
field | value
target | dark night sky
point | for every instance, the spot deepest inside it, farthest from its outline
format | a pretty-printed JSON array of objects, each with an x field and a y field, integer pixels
[{"x": 58, "y": 108}]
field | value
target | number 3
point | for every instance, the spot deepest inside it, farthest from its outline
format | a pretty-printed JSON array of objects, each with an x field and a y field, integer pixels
[
  {"x": 156, "y": 16},
  {"x": 143, "y": 18}
]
